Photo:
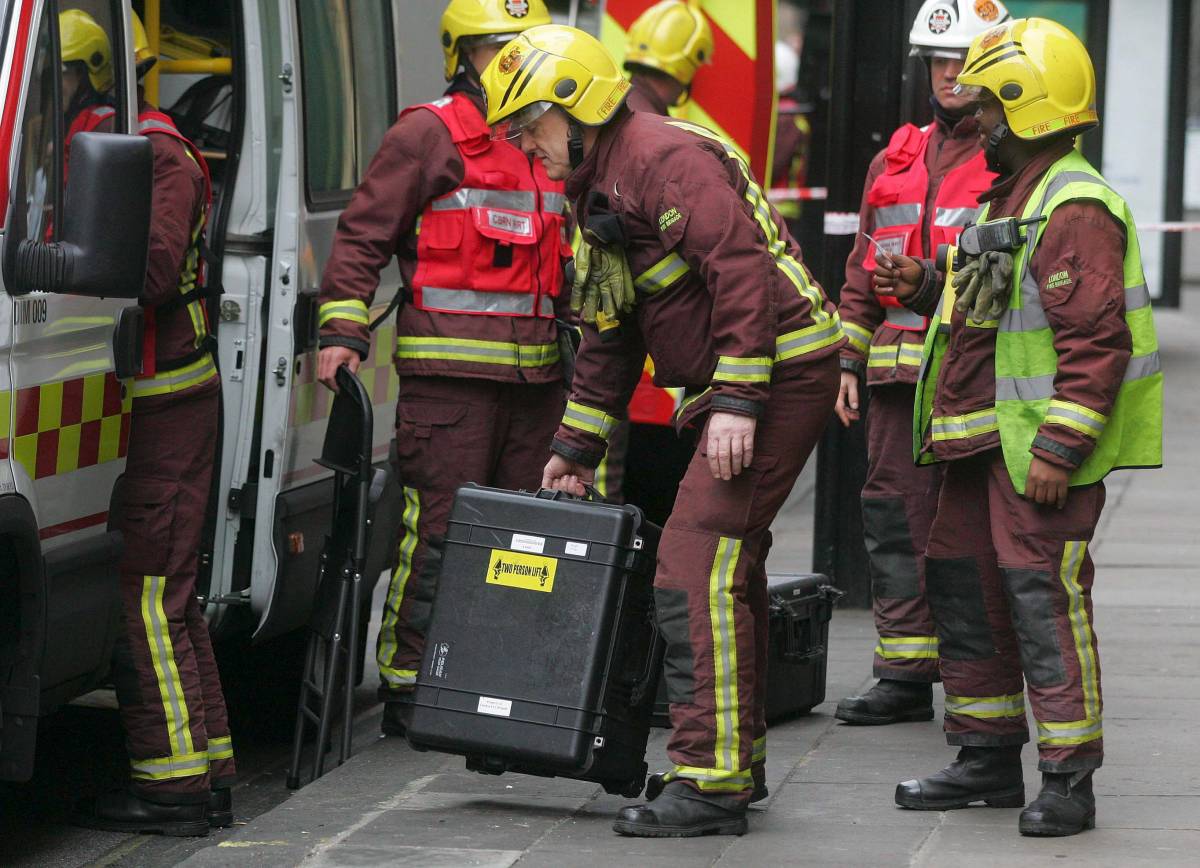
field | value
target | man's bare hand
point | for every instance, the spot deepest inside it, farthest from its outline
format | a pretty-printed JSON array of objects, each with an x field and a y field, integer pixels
[
  {"x": 562, "y": 474},
  {"x": 730, "y": 443},
  {"x": 846, "y": 408},
  {"x": 332, "y": 358},
  {"x": 901, "y": 277},
  {"x": 1047, "y": 483}
]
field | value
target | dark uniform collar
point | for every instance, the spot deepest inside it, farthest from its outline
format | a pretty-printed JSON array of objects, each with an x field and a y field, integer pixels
[
  {"x": 1029, "y": 174},
  {"x": 580, "y": 180}
]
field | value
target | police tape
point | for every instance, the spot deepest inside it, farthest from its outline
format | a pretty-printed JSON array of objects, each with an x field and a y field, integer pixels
[
  {"x": 1169, "y": 226},
  {"x": 797, "y": 194}
]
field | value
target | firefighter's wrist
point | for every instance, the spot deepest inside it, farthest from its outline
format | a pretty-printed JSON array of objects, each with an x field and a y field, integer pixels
[
  {"x": 1059, "y": 454},
  {"x": 363, "y": 348},
  {"x": 587, "y": 457},
  {"x": 929, "y": 290},
  {"x": 853, "y": 364},
  {"x": 733, "y": 404}
]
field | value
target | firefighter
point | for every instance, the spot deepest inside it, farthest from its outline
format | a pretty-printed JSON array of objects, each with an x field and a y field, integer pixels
[
  {"x": 920, "y": 190},
  {"x": 683, "y": 258},
  {"x": 1041, "y": 377},
  {"x": 665, "y": 47},
  {"x": 479, "y": 234},
  {"x": 172, "y": 705}
]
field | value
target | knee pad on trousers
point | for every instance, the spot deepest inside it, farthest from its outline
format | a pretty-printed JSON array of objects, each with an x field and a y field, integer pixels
[
  {"x": 959, "y": 611},
  {"x": 124, "y": 674},
  {"x": 425, "y": 586},
  {"x": 888, "y": 538},
  {"x": 671, "y": 615},
  {"x": 1031, "y": 596}
]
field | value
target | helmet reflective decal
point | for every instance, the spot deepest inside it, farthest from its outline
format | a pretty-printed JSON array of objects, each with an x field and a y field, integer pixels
[
  {"x": 517, "y": 8},
  {"x": 986, "y": 10},
  {"x": 940, "y": 20},
  {"x": 511, "y": 61}
]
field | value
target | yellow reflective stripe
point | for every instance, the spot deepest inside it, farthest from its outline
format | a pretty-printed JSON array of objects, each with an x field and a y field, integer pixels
[
  {"x": 169, "y": 767},
  {"x": 731, "y": 369},
  {"x": 907, "y": 647},
  {"x": 725, "y": 667},
  {"x": 169, "y": 382},
  {"x": 713, "y": 778},
  {"x": 896, "y": 354},
  {"x": 760, "y": 750},
  {"x": 986, "y": 707},
  {"x": 391, "y": 609},
  {"x": 786, "y": 263},
  {"x": 1070, "y": 732},
  {"x": 220, "y": 748},
  {"x": 661, "y": 274},
  {"x": 688, "y": 401},
  {"x": 968, "y": 425},
  {"x": 1074, "y": 555},
  {"x": 162, "y": 658},
  {"x": 352, "y": 309},
  {"x": 808, "y": 339},
  {"x": 859, "y": 337},
  {"x": 588, "y": 419},
  {"x": 1076, "y": 417},
  {"x": 482, "y": 352}
]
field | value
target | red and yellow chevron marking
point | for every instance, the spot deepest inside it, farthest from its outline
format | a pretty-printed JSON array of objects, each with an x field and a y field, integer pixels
[
  {"x": 63, "y": 426},
  {"x": 311, "y": 401},
  {"x": 735, "y": 96}
]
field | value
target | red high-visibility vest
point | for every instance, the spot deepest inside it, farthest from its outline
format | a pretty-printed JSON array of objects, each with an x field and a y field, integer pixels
[
  {"x": 898, "y": 196},
  {"x": 495, "y": 245}
]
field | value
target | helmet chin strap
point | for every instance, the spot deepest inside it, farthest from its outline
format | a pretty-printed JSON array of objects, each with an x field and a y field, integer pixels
[
  {"x": 574, "y": 143},
  {"x": 991, "y": 148}
]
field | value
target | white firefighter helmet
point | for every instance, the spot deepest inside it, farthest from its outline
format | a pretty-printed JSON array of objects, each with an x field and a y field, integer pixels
[{"x": 946, "y": 28}]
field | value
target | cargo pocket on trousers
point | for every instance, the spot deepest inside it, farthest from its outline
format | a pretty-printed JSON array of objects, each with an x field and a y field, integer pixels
[
  {"x": 417, "y": 423},
  {"x": 145, "y": 518},
  {"x": 1031, "y": 595},
  {"x": 671, "y": 615},
  {"x": 889, "y": 548},
  {"x": 959, "y": 612}
]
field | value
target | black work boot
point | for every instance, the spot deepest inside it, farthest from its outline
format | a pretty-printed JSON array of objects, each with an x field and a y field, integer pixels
[
  {"x": 655, "y": 784},
  {"x": 683, "y": 812},
  {"x": 395, "y": 718},
  {"x": 889, "y": 701},
  {"x": 1061, "y": 808},
  {"x": 124, "y": 811},
  {"x": 219, "y": 811},
  {"x": 991, "y": 775}
]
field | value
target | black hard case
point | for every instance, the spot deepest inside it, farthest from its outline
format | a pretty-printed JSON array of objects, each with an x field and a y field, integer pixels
[
  {"x": 557, "y": 682},
  {"x": 801, "y": 605}
]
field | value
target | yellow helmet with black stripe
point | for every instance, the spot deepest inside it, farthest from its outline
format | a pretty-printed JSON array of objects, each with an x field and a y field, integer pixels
[
  {"x": 553, "y": 65},
  {"x": 1040, "y": 72},
  {"x": 480, "y": 19}
]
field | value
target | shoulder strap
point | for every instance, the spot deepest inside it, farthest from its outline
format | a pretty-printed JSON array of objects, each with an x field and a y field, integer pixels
[{"x": 462, "y": 119}]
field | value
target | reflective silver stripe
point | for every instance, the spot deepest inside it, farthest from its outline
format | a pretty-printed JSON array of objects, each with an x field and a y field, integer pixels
[
  {"x": 555, "y": 203},
  {"x": 964, "y": 426},
  {"x": 170, "y": 767},
  {"x": 1136, "y": 297},
  {"x": 796, "y": 343},
  {"x": 473, "y": 301},
  {"x": 154, "y": 124},
  {"x": 661, "y": 274},
  {"x": 897, "y": 215},
  {"x": 1039, "y": 388},
  {"x": 1060, "y": 412},
  {"x": 162, "y": 655},
  {"x": 1012, "y": 705},
  {"x": 953, "y": 216},
  {"x": 546, "y": 306},
  {"x": 473, "y": 197},
  {"x": 589, "y": 419},
  {"x": 902, "y": 316},
  {"x": 103, "y": 111},
  {"x": 1075, "y": 732},
  {"x": 732, "y": 369}
]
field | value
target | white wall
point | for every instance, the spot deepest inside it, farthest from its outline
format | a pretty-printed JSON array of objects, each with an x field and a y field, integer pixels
[{"x": 1134, "y": 117}]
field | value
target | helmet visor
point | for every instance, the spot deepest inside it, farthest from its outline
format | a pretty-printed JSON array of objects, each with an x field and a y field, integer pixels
[
  {"x": 931, "y": 51},
  {"x": 511, "y": 127},
  {"x": 972, "y": 92}
]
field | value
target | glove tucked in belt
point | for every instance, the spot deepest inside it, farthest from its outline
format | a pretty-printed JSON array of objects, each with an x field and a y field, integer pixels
[{"x": 983, "y": 285}]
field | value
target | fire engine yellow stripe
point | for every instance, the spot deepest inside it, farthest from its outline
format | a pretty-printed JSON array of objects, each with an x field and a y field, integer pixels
[
  {"x": 93, "y": 397},
  {"x": 50, "y": 398},
  {"x": 110, "y": 439},
  {"x": 67, "y": 459}
]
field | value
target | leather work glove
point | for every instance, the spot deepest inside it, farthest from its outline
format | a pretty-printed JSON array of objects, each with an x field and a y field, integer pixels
[
  {"x": 603, "y": 284},
  {"x": 983, "y": 285}
]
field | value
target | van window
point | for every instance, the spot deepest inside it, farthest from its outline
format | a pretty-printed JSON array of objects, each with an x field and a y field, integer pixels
[
  {"x": 348, "y": 90},
  {"x": 88, "y": 78}
]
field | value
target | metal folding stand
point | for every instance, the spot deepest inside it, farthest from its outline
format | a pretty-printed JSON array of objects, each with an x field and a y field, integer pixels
[{"x": 328, "y": 682}]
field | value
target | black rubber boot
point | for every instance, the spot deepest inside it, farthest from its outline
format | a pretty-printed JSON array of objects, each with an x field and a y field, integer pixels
[
  {"x": 220, "y": 808},
  {"x": 654, "y": 788},
  {"x": 887, "y": 702},
  {"x": 123, "y": 811},
  {"x": 683, "y": 812},
  {"x": 991, "y": 775},
  {"x": 1061, "y": 808},
  {"x": 395, "y": 718}
]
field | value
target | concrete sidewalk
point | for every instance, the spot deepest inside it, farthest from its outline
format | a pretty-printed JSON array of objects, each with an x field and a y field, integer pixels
[{"x": 831, "y": 785}]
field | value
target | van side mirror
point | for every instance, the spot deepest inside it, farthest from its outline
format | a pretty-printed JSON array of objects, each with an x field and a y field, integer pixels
[{"x": 105, "y": 224}]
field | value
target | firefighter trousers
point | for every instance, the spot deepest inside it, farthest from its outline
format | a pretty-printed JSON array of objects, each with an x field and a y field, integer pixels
[
  {"x": 710, "y": 590},
  {"x": 450, "y": 431},
  {"x": 898, "y": 503},
  {"x": 1010, "y": 586},
  {"x": 172, "y": 705}
]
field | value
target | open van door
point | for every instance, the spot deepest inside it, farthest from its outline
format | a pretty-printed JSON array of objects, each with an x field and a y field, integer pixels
[{"x": 338, "y": 75}]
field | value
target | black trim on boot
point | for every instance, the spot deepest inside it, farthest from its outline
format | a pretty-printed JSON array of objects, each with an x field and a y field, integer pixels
[
  {"x": 1065, "y": 806},
  {"x": 888, "y": 701},
  {"x": 219, "y": 810},
  {"x": 683, "y": 812},
  {"x": 124, "y": 811},
  {"x": 979, "y": 774}
]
